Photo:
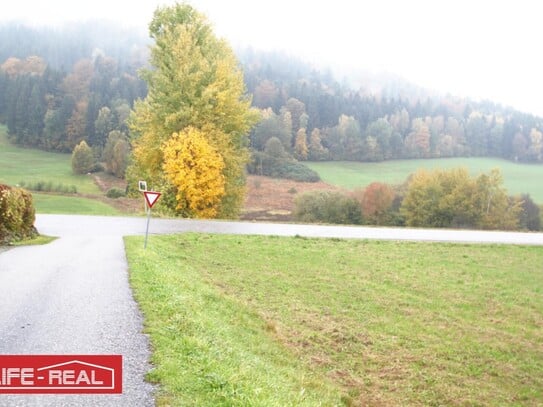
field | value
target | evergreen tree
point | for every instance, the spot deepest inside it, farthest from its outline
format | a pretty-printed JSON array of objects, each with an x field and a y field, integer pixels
[{"x": 36, "y": 113}]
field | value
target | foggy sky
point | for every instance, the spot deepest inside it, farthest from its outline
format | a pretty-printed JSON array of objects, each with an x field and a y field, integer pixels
[{"x": 468, "y": 48}]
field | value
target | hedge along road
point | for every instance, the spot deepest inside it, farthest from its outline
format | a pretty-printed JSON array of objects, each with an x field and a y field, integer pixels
[{"x": 72, "y": 296}]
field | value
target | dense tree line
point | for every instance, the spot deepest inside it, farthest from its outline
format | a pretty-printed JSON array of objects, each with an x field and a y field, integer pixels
[
  {"x": 440, "y": 198},
  {"x": 53, "y": 110},
  {"x": 316, "y": 118},
  {"x": 59, "y": 87}
]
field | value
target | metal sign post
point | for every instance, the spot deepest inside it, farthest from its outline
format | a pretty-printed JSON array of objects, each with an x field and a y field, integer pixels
[
  {"x": 147, "y": 227},
  {"x": 150, "y": 199}
]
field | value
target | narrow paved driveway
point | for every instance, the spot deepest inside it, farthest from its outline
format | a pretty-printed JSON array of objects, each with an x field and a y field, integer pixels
[{"x": 72, "y": 296}]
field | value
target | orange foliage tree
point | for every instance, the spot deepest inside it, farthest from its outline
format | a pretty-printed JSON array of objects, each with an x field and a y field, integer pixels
[{"x": 375, "y": 201}]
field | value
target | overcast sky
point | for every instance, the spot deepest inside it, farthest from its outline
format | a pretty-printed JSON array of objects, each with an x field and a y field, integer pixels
[{"x": 482, "y": 49}]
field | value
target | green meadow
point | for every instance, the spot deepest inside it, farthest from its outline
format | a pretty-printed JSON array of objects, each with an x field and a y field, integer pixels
[
  {"x": 60, "y": 204},
  {"x": 518, "y": 178},
  {"x": 268, "y": 321},
  {"x": 29, "y": 166}
]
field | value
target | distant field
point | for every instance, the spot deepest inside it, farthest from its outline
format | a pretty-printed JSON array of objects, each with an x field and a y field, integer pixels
[
  {"x": 29, "y": 165},
  {"x": 268, "y": 321},
  {"x": 518, "y": 178}
]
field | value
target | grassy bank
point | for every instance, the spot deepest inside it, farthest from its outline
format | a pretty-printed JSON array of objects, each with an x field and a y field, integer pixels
[
  {"x": 518, "y": 178},
  {"x": 289, "y": 321}
]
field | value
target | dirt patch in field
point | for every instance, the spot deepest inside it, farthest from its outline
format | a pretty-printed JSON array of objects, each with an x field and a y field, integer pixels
[
  {"x": 272, "y": 199},
  {"x": 105, "y": 182},
  {"x": 267, "y": 199}
]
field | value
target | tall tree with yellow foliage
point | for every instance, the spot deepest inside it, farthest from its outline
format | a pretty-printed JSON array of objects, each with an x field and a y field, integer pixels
[
  {"x": 195, "y": 168},
  {"x": 195, "y": 82}
]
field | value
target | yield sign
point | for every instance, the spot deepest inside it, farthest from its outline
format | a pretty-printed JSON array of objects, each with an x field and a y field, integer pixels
[{"x": 151, "y": 197}]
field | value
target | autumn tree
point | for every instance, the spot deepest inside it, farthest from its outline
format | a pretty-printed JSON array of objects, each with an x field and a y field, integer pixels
[
  {"x": 440, "y": 198},
  {"x": 76, "y": 84},
  {"x": 297, "y": 110},
  {"x": 195, "y": 82},
  {"x": 265, "y": 94},
  {"x": 418, "y": 140},
  {"x": 82, "y": 158},
  {"x": 497, "y": 210},
  {"x": 316, "y": 151},
  {"x": 378, "y": 135},
  {"x": 400, "y": 121},
  {"x": 451, "y": 198},
  {"x": 75, "y": 127},
  {"x": 376, "y": 200},
  {"x": 270, "y": 126},
  {"x": 274, "y": 148},
  {"x": 103, "y": 125},
  {"x": 300, "y": 146},
  {"x": 195, "y": 168},
  {"x": 116, "y": 153}
]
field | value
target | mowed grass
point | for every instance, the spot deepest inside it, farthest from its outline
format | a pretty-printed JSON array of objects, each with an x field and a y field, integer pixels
[
  {"x": 518, "y": 178},
  {"x": 29, "y": 165},
  {"x": 59, "y": 204},
  {"x": 267, "y": 321}
]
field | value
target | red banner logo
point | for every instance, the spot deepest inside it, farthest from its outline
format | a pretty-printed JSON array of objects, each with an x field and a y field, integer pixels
[{"x": 63, "y": 374}]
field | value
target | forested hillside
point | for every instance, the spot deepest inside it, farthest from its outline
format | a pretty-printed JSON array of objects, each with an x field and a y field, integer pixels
[
  {"x": 319, "y": 119},
  {"x": 58, "y": 87}
]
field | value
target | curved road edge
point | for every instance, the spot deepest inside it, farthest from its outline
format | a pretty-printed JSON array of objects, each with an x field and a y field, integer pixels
[{"x": 69, "y": 225}]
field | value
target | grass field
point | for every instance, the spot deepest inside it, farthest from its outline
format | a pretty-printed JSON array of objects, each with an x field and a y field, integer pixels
[
  {"x": 29, "y": 165},
  {"x": 518, "y": 178},
  {"x": 71, "y": 205},
  {"x": 265, "y": 321}
]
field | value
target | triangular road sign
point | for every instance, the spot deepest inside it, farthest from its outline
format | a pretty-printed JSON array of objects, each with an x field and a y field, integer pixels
[{"x": 151, "y": 197}]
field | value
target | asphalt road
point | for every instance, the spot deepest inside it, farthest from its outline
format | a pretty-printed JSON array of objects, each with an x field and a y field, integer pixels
[{"x": 72, "y": 296}]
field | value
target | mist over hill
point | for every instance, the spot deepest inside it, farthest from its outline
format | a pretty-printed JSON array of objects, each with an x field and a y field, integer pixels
[{"x": 59, "y": 86}]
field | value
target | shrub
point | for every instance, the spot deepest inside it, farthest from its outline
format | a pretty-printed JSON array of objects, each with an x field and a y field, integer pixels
[
  {"x": 115, "y": 193},
  {"x": 281, "y": 167},
  {"x": 17, "y": 214},
  {"x": 82, "y": 158},
  {"x": 376, "y": 202},
  {"x": 42, "y": 186},
  {"x": 274, "y": 148},
  {"x": 529, "y": 217},
  {"x": 116, "y": 153},
  {"x": 328, "y": 207}
]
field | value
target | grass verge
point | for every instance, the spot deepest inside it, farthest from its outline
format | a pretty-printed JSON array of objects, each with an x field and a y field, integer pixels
[
  {"x": 269, "y": 321},
  {"x": 37, "y": 241},
  {"x": 60, "y": 204}
]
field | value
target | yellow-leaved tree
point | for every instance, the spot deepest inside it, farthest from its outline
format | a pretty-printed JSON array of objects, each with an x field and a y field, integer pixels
[
  {"x": 195, "y": 168},
  {"x": 195, "y": 82}
]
